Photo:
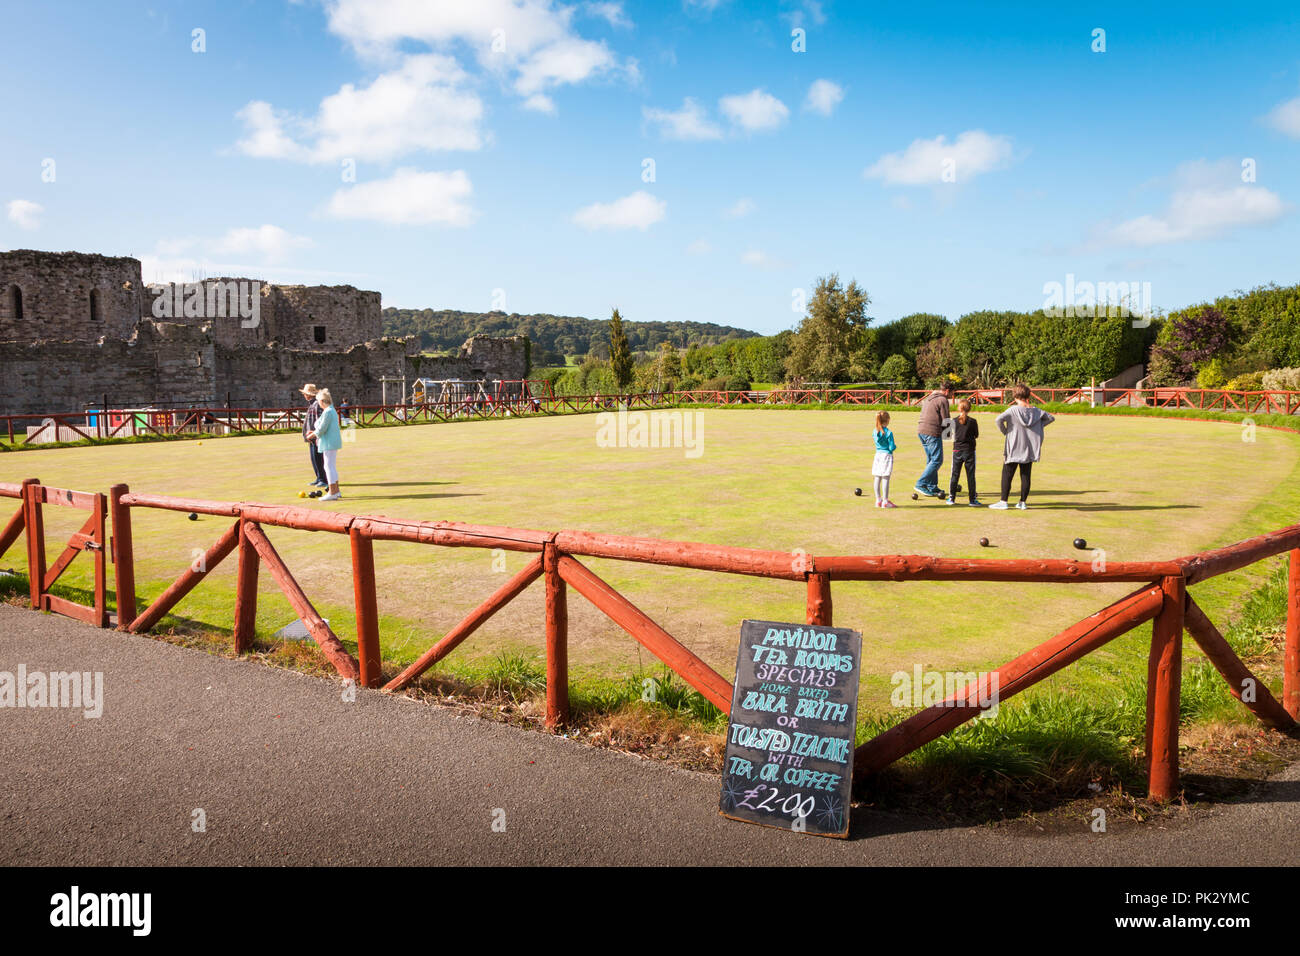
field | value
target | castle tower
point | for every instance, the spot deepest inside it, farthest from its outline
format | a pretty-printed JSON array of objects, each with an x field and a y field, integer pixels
[{"x": 67, "y": 296}]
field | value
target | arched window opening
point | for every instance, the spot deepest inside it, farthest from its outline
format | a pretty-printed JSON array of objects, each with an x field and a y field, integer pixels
[
  {"x": 15, "y": 302},
  {"x": 96, "y": 311}
]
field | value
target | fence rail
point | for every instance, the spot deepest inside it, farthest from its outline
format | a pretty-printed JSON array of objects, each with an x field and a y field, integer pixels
[
  {"x": 1162, "y": 598},
  {"x": 96, "y": 425}
]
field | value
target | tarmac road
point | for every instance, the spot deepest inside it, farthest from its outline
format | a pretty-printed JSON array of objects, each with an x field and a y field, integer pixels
[{"x": 287, "y": 772}]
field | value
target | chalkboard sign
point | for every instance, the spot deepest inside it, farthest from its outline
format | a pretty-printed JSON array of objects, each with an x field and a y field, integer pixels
[{"x": 790, "y": 739}]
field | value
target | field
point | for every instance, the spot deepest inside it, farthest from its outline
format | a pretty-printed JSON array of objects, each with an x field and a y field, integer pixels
[{"x": 1140, "y": 488}]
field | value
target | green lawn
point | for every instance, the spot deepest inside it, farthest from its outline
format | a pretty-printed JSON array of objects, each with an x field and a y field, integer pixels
[{"x": 1141, "y": 488}]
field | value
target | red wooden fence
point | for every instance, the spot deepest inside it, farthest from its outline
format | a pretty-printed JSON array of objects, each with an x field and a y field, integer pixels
[
  {"x": 240, "y": 421},
  {"x": 1162, "y": 598}
]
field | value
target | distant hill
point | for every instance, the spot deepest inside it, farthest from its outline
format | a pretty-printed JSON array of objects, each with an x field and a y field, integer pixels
[{"x": 550, "y": 335}]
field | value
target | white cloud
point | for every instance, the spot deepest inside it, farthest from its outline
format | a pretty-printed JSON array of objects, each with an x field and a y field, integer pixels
[
  {"x": 640, "y": 210},
  {"x": 823, "y": 97},
  {"x": 1200, "y": 214},
  {"x": 699, "y": 247},
  {"x": 810, "y": 8},
  {"x": 24, "y": 213},
  {"x": 264, "y": 134},
  {"x": 532, "y": 39},
  {"x": 541, "y": 103},
  {"x": 701, "y": 6},
  {"x": 688, "y": 123},
  {"x": 754, "y": 111},
  {"x": 271, "y": 242},
  {"x": 570, "y": 60},
  {"x": 408, "y": 197},
  {"x": 421, "y": 105},
  {"x": 740, "y": 208},
  {"x": 924, "y": 161},
  {"x": 761, "y": 260},
  {"x": 1207, "y": 200},
  {"x": 188, "y": 258},
  {"x": 423, "y": 101},
  {"x": 1285, "y": 118},
  {"x": 611, "y": 13}
]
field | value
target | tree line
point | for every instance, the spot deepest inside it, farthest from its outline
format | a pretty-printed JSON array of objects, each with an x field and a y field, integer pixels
[
  {"x": 553, "y": 337},
  {"x": 1246, "y": 340}
]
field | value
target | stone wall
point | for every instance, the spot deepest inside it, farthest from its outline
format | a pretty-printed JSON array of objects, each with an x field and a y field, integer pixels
[
  {"x": 271, "y": 377},
  {"x": 158, "y": 360},
  {"x": 326, "y": 316},
  {"x": 481, "y": 357},
  {"x": 317, "y": 318},
  {"x": 77, "y": 327},
  {"x": 167, "y": 364},
  {"x": 70, "y": 296}
]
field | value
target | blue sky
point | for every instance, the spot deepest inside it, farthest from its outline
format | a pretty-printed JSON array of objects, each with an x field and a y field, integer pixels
[{"x": 492, "y": 153}]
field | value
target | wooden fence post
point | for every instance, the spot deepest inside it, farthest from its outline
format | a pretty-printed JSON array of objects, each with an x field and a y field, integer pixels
[
  {"x": 100, "y": 513},
  {"x": 246, "y": 591},
  {"x": 557, "y": 640},
  {"x": 1291, "y": 660},
  {"x": 1164, "y": 693},
  {"x": 819, "y": 598},
  {"x": 123, "y": 558},
  {"x": 35, "y": 539},
  {"x": 363, "y": 587}
]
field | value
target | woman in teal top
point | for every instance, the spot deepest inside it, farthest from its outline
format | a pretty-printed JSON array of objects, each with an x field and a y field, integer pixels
[{"x": 329, "y": 439}]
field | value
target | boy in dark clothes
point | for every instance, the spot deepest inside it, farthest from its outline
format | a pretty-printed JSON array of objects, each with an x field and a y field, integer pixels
[{"x": 965, "y": 431}]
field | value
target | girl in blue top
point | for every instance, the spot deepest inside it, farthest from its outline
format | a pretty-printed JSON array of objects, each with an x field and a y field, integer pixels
[
  {"x": 883, "y": 466},
  {"x": 329, "y": 439}
]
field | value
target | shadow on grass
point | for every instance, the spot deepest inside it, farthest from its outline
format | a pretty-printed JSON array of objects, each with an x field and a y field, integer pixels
[
  {"x": 450, "y": 494},
  {"x": 1038, "y": 506},
  {"x": 397, "y": 484}
]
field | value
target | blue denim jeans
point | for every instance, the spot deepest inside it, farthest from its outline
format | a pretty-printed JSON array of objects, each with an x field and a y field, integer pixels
[{"x": 928, "y": 482}]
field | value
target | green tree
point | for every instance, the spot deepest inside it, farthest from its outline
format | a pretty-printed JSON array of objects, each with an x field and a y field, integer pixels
[
  {"x": 828, "y": 333},
  {"x": 898, "y": 369},
  {"x": 620, "y": 356}
]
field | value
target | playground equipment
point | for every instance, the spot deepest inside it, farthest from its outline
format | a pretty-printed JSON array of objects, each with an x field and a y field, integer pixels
[{"x": 468, "y": 396}]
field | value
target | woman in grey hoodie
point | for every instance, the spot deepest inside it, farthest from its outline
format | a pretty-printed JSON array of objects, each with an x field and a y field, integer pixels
[{"x": 1022, "y": 424}]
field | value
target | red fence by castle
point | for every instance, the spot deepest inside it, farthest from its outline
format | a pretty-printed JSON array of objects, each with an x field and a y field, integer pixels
[
  {"x": 1162, "y": 597},
  {"x": 125, "y": 423}
]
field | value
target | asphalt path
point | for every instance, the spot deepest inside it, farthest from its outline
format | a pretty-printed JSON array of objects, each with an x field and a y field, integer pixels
[{"x": 285, "y": 771}]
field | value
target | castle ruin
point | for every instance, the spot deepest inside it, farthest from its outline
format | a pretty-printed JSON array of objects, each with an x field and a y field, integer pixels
[{"x": 79, "y": 328}]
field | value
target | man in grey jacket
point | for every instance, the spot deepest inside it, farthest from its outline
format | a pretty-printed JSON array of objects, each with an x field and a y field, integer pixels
[
  {"x": 309, "y": 425},
  {"x": 1022, "y": 424},
  {"x": 936, "y": 412}
]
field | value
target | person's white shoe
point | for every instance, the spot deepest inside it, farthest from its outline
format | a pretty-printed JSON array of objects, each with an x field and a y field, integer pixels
[
  {"x": 998, "y": 506},
  {"x": 334, "y": 497},
  {"x": 952, "y": 501},
  {"x": 1021, "y": 505}
]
